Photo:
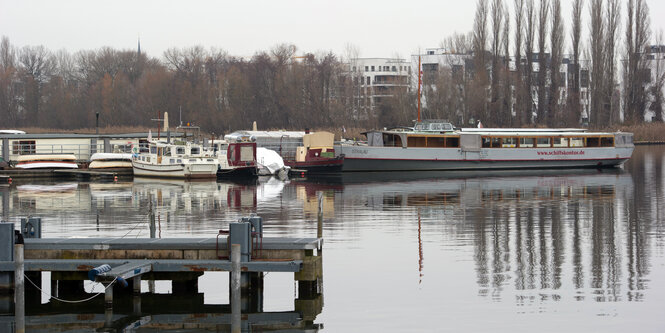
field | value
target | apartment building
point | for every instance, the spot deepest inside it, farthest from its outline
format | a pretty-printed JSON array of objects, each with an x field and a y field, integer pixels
[{"x": 378, "y": 79}]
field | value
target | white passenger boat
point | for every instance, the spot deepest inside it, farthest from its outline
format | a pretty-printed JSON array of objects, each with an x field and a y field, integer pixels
[
  {"x": 436, "y": 145},
  {"x": 47, "y": 161},
  {"x": 110, "y": 161},
  {"x": 167, "y": 160}
]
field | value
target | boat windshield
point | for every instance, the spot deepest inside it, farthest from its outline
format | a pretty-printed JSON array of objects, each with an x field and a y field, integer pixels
[{"x": 433, "y": 127}]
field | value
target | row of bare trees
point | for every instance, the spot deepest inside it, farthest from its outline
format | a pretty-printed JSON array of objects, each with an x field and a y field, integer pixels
[
  {"x": 219, "y": 92},
  {"x": 530, "y": 85},
  {"x": 278, "y": 89}
]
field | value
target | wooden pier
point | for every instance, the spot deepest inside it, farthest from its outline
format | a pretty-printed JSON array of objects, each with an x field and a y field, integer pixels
[
  {"x": 124, "y": 262},
  {"x": 80, "y": 174}
]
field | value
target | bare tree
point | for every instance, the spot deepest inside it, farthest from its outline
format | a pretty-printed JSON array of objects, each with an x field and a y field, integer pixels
[
  {"x": 598, "y": 70},
  {"x": 573, "y": 105},
  {"x": 543, "y": 14},
  {"x": 556, "y": 45},
  {"x": 637, "y": 38},
  {"x": 507, "y": 83},
  {"x": 529, "y": 41},
  {"x": 520, "y": 112},
  {"x": 479, "y": 107},
  {"x": 497, "y": 30},
  {"x": 611, "y": 99}
]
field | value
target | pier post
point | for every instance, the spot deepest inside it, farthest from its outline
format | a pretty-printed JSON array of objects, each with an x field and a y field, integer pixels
[
  {"x": 19, "y": 287},
  {"x": 235, "y": 288},
  {"x": 5, "y": 202},
  {"x": 107, "y": 145},
  {"x": 319, "y": 220},
  {"x": 6, "y": 254},
  {"x": 5, "y": 149},
  {"x": 108, "y": 296}
]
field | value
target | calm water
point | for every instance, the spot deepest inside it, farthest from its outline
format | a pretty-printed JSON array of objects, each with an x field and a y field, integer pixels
[{"x": 575, "y": 250}]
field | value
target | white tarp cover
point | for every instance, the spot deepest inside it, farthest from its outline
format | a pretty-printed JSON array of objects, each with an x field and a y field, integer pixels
[{"x": 268, "y": 160}]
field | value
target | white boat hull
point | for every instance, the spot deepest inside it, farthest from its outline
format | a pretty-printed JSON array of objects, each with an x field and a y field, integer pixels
[
  {"x": 47, "y": 165},
  {"x": 201, "y": 170},
  {"x": 369, "y": 158}
]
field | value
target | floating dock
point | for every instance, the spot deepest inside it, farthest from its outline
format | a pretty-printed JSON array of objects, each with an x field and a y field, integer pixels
[
  {"x": 81, "y": 174},
  {"x": 120, "y": 264}
]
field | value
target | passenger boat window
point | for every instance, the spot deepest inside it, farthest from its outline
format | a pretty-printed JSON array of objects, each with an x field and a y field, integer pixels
[
  {"x": 543, "y": 142},
  {"x": 496, "y": 142},
  {"x": 167, "y": 151},
  {"x": 436, "y": 127},
  {"x": 417, "y": 141},
  {"x": 392, "y": 140},
  {"x": 452, "y": 142},
  {"x": 180, "y": 150},
  {"x": 147, "y": 159},
  {"x": 192, "y": 160},
  {"x": 153, "y": 150},
  {"x": 196, "y": 150},
  {"x": 436, "y": 142},
  {"x": 577, "y": 142},
  {"x": 179, "y": 161},
  {"x": 592, "y": 142},
  {"x": 486, "y": 142},
  {"x": 509, "y": 143},
  {"x": 171, "y": 161},
  {"x": 526, "y": 142},
  {"x": 607, "y": 142},
  {"x": 560, "y": 142}
]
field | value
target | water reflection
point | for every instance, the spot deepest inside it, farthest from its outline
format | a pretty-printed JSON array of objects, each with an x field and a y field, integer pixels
[{"x": 543, "y": 240}]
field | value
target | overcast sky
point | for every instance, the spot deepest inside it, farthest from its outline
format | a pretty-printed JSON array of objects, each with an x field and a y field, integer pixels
[{"x": 377, "y": 28}]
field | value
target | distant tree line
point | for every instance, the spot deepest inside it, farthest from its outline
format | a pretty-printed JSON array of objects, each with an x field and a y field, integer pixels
[
  {"x": 219, "y": 92},
  {"x": 278, "y": 89}
]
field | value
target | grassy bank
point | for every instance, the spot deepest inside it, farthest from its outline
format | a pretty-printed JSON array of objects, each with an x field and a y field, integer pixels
[{"x": 650, "y": 132}]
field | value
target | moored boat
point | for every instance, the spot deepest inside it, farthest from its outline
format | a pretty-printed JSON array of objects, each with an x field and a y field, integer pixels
[
  {"x": 167, "y": 160},
  {"x": 310, "y": 151},
  {"x": 47, "y": 161},
  {"x": 436, "y": 145},
  {"x": 235, "y": 159},
  {"x": 110, "y": 161}
]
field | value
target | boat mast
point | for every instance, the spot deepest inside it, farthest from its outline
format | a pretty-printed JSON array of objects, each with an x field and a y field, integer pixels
[{"x": 420, "y": 72}]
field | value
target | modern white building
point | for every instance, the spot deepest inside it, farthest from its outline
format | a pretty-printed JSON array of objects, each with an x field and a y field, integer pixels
[{"x": 378, "y": 79}]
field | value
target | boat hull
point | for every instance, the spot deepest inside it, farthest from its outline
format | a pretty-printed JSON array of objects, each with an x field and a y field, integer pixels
[
  {"x": 238, "y": 172},
  {"x": 367, "y": 158},
  {"x": 321, "y": 166},
  {"x": 186, "y": 171}
]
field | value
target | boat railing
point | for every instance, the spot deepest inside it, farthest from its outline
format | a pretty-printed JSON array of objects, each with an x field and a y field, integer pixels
[{"x": 83, "y": 152}]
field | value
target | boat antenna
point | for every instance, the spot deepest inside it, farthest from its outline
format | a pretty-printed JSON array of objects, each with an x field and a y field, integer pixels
[{"x": 420, "y": 73}]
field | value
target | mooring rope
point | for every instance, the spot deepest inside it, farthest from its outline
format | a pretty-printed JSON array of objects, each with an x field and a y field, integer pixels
[{"x": 68, "y": 301}]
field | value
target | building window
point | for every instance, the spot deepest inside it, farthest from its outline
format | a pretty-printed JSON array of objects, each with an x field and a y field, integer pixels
[
  {"x": 372, "y": 68},
  {"x": 368, "y": 81},
  {"x": 24, "y": 147},
  {"x": 394, "y": 69},
  {"x": 354, "y": 68},
  {"x": 366, "y": 69}
]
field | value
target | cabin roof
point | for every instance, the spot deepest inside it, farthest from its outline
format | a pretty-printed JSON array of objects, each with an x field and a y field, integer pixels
[{"x": 29, "y": 136}]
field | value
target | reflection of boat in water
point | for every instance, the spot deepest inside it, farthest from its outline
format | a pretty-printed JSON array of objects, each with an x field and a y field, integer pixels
[
  {"x": 440, "y": 188},
  {"x": 58, "y": 188},
  {"x": 383, "y": 177},
  {"x": 51, "y": 198}
]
